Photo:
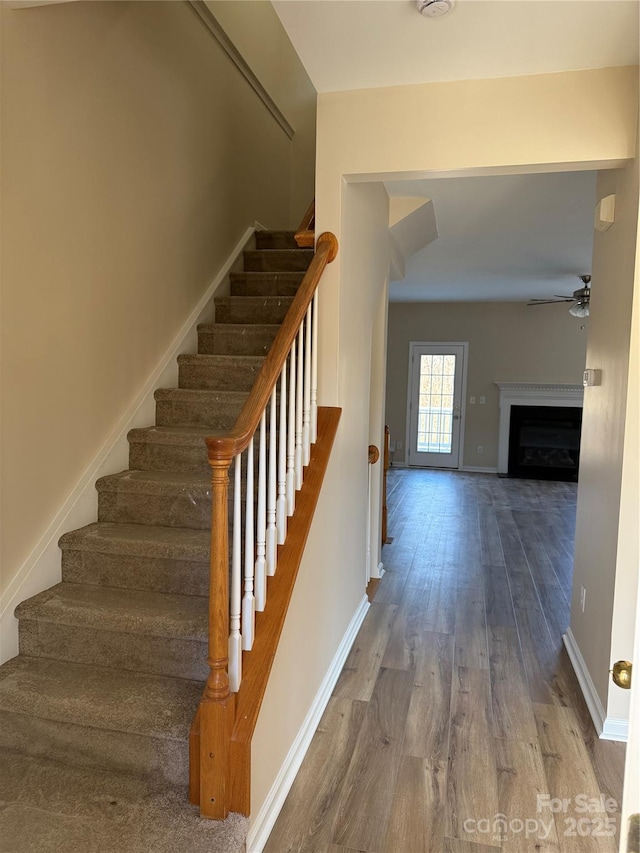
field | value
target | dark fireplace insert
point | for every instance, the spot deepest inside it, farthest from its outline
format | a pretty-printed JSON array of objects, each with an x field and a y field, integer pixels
[{"x": 544, "y": 442}]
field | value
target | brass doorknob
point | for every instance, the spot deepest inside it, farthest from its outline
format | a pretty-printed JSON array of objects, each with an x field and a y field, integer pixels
[{"x": 621, "y": 674}]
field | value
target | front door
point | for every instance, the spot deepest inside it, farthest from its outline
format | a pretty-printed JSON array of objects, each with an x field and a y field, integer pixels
[{"x": 435, "y": 404}]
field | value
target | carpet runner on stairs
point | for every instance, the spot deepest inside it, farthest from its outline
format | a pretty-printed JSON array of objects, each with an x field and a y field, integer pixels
[{"x": 112, "y": 660}]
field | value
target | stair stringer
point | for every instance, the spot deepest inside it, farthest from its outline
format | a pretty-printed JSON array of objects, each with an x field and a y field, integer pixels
[{"x": 42, "y": 568}]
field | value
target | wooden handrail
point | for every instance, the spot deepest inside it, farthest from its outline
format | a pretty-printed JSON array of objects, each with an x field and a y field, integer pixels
[
  {"x": 305, "y": 234},
  {"x": 229, "y": 445},
  {"x": 308, "y": 220}
]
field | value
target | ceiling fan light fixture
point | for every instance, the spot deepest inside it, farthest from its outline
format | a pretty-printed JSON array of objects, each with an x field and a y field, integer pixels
[
  {"x": 580, "y": 299},
  {"x": 580, "y": 309}
]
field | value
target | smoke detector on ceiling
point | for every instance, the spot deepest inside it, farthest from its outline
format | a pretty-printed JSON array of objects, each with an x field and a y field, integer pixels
[{"x": 434, "y": 8}]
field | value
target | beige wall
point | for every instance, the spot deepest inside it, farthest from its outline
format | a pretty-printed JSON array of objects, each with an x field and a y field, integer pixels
[
  {"x": 427, "y": 127},
  {"x": 134, "y": 156},
  {"x": 257, "y": 32},
  {"x": 598, "y": 531},
  {"x": 507, "y": 341}
]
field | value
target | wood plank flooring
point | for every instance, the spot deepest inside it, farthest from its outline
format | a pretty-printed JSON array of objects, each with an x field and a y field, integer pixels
[{"x": 457, "y": 714}]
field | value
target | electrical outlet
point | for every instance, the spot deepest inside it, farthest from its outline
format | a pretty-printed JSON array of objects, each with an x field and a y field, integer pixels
[
  {"x": 480, "y": 450},
  {"x": 483, "y": 400},
  {"x": 583, "y": 598},
  {"x": 398, "y": 445},
  {"x": 472, "y": 401}
]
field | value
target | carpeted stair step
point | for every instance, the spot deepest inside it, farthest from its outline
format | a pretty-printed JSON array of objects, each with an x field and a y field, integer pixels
[
  {"x": 252, "y": 309},
  {"x": 48, "y": 806},
  {"x": 113, "y": 659},
  {"x": 265, "y": 283},
  {"x": 149, "y": 632},
  {"x": 172, "y": 449},
  {"x": 277, "y": 260},
  {"x": 98, "y": 716},
  {"x": 138, "y": 556},
  {"x": 169, "y": 449},
  {"x": 236, "y": 338},
  {"x": 166, "y": 498},
  {"x": 218, "y": 372},
  {"x": 217, "y": 410},
  {"x": 276, "y": 240}
]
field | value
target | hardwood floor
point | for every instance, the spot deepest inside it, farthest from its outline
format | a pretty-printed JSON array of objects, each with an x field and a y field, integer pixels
[{"x": 458, "y": 705}]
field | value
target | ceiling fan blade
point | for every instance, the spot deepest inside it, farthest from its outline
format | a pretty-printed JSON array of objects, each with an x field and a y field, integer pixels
[{"x": 547, "y": 301}]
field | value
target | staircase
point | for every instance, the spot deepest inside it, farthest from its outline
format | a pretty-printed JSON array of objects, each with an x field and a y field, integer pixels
[{"x": 113, "y": 659}]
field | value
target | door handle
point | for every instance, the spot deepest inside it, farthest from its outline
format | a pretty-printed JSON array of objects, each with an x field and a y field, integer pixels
[
  {"x": 621, "y": 674},
  {"x": 456, "y": 417}
]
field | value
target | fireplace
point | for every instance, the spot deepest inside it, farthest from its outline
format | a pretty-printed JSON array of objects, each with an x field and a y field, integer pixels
[
  {"x": 546, "y": 396},
  {"x": 544, "y": 442}
]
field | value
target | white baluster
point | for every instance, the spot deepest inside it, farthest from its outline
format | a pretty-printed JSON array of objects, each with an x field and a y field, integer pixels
[
  {"x": 281, "y": 503},
  {"x": 299, "y": 383},
  {"x": 235, "y": 638},
  {"x": 314, "y": 372},
  {"x": 306, "y": 409},
  {"x": 291, "y": 434},
  {"x": 261, "y": 520},
  {"x": 272, "y": 533},
  {"x": 249, "y": 601}
]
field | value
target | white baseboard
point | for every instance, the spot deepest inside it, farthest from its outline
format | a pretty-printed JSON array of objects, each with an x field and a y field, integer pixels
[
  {"x": 42, "y": 567},
  {"x": 608, "y": 728},
  {"x": 263, "y": 824},
  {"x": 594, "y": 704},
  {"x": 615, "y": 729},
  {"x": 471, "y": 469}
]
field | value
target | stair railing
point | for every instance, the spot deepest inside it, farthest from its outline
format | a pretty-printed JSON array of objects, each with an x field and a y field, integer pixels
[
  {"x": 305, "y": 235},
  {"x": 274, "y": 432}
]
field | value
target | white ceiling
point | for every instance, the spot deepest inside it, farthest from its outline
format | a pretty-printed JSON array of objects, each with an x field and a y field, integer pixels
[
  {"x": 501, "y": 239},
  {"x": 354, "y": 44}
]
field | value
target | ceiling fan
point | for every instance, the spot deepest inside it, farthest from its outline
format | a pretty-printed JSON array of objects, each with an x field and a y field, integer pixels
[{"x": 580, "y": 299}]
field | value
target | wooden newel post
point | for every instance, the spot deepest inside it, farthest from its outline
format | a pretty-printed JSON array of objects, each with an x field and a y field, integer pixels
[{"x": 217, "y": 708}]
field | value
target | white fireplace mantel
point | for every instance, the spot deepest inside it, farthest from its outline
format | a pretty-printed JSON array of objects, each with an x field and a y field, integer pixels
[{"x": 530, "y": 394}]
